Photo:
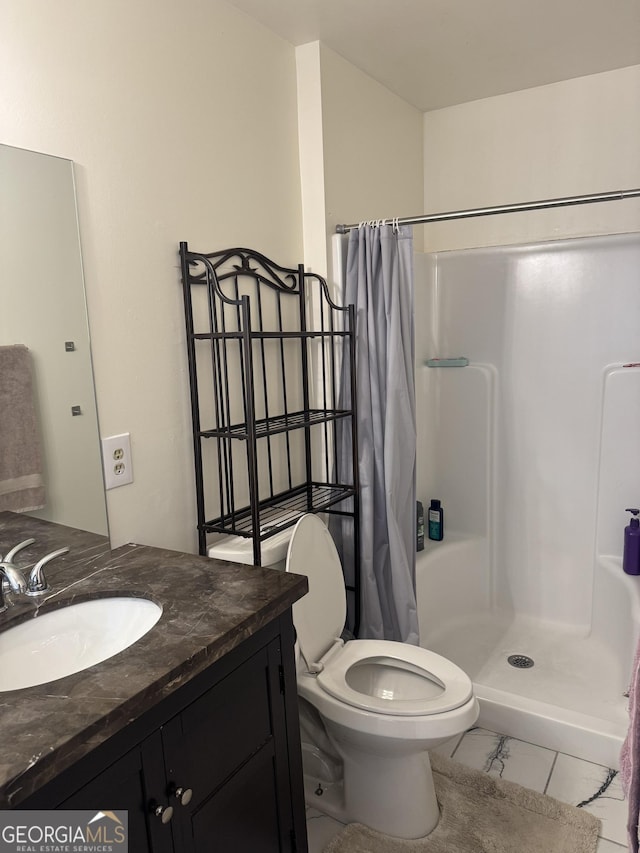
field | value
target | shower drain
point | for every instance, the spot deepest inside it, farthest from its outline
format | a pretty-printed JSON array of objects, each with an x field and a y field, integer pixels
[{"x": 520, "y": 661}]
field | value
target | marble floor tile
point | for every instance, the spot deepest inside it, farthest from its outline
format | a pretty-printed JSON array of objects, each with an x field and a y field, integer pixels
[
  {"x": 597, "y": 788},
  {"x": 506, "y": 758},
  {"x": 321, "y": 829},
  {"x": 568, "y": 779},
  {"x": 605, "y": 846}
]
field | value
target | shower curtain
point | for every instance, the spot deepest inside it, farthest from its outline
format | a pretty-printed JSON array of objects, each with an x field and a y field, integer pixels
[{"x": 379, "y": 282}]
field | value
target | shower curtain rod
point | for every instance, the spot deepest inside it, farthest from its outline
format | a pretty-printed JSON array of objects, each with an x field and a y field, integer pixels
[{"x": 616, "y": 195}]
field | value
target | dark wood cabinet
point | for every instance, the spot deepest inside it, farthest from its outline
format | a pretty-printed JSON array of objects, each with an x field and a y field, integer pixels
[
  {"x": 216, "y": 765},
  {"x": 134, "y": 782},
  {"x": 225, "y": 749}
]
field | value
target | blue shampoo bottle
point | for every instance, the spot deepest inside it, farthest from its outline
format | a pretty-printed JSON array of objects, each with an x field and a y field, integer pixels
[{"x": 435, "y": 524}]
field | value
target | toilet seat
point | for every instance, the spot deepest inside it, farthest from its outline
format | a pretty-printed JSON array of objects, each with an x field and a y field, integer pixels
[
  {"x": 320, "y": 615},
  {"x": 429, "y": 684}
]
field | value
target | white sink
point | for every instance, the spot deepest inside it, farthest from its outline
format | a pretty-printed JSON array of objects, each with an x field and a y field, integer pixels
[{"x": 60, "y": 642}]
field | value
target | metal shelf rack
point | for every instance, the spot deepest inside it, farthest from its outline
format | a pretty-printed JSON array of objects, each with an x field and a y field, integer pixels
[{"x": 272, "y": 379}]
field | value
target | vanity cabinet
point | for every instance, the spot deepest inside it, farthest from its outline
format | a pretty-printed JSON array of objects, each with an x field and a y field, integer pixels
[
  {"x": 225, "y": 748},
  {"x": 222, "y": 752},
  {"x": 135, "y": 782}
]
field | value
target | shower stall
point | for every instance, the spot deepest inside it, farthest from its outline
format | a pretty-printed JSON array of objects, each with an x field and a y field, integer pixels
[{"x": 534, "y": 450}]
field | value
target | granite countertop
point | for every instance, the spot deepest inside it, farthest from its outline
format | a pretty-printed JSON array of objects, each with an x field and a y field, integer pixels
[{"x": 209, "y": 607}]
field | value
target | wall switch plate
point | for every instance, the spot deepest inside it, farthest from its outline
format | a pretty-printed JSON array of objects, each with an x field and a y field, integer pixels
[{"x": 116, "y": 460}]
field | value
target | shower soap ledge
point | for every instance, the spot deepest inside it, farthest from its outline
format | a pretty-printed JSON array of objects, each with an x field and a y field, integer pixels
[{"x": 460, "y": 361}]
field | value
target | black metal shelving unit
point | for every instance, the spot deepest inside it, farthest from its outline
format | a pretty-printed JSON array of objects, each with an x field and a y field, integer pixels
[{"x": 272, "y": 378}]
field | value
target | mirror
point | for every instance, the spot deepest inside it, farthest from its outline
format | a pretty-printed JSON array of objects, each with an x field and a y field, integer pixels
[{"x": 43, "y": 307}]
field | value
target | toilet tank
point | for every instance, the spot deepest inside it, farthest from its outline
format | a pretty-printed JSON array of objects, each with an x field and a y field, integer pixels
[{"x": 238, "y": 549}]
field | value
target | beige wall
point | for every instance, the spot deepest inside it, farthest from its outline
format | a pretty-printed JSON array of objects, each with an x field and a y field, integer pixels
[
  {"x": 570, "y": 138},
  {"x": 183, "y": 124},
  {"x": 373, "y": 144},
  {"x": 181, "y": 119},
  {"x": 369, "y": 162}
]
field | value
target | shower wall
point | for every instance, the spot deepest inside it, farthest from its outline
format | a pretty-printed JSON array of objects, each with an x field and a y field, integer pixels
[{"x": 533, "y": 448}]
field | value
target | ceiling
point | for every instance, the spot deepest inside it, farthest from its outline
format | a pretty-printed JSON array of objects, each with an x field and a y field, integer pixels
[{"x": 436, "y": 53}]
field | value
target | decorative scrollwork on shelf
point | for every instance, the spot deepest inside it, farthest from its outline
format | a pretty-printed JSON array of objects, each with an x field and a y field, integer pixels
[{"x": 265, "y": 271}]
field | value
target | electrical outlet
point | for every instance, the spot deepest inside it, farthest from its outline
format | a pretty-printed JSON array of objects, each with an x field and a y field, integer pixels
[{"x": 116, "y": 460}]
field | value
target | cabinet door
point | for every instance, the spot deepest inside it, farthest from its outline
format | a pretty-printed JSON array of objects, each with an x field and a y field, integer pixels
[
  {"x": 230, "y": 748},
  {"x": 242, "y": 814},
  {"x": 136, "y": 783}
]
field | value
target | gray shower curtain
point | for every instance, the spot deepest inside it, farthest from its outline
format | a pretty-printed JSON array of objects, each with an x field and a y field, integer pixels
[{"x": 379, "y": 282}]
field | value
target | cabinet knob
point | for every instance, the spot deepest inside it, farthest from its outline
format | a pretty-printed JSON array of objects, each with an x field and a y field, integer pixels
[
  {"x": 165, "y": 813},
  {"x": 183, "y": 795}
]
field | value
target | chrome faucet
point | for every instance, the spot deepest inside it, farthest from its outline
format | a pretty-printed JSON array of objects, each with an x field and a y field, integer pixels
[
  {"x": 12, "y": 578},
  {"x": 37, "y": 583},
  {"x": 5, "y": 583},
  {"x": 15, "y": 579}
]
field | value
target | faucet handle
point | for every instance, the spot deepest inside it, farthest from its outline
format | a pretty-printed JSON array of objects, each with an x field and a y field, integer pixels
[
  {"x": 11, "y": 554},
  {"x": 37, "y": 583}
]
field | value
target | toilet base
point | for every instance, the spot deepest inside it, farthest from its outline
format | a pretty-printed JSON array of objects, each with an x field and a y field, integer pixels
[
  {"x": 326, "y": 797},
  {"x": 393, "y": 795}
]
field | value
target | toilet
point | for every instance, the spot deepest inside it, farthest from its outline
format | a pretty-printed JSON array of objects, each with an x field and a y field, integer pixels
[{"x": 371, "y": 708}]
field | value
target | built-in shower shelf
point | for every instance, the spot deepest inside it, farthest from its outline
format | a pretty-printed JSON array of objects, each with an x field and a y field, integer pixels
[{"x": 459, "y": 361}]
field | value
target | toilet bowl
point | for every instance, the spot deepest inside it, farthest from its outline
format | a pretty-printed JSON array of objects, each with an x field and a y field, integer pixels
[{"x": 377, "y": 705}]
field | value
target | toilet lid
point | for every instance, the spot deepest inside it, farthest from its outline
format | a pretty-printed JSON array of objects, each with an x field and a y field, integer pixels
[
  {"x": 393, "y": 678},
  {"x": 320, "y": 615}
]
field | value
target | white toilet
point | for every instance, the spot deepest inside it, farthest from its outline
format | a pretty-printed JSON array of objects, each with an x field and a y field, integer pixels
[{"x": 382, "y": 704}]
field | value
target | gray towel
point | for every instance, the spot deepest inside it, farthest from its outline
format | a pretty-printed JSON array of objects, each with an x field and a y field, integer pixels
[
  {"x": 630, "y": 758},
  {"x": 21, "y": 484}
]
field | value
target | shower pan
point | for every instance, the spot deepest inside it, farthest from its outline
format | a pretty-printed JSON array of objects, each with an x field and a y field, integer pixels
[{"x": 533, "y": 450}]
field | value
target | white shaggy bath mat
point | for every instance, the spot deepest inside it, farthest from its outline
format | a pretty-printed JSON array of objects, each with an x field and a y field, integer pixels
[{"x": 480, "y": 814}]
